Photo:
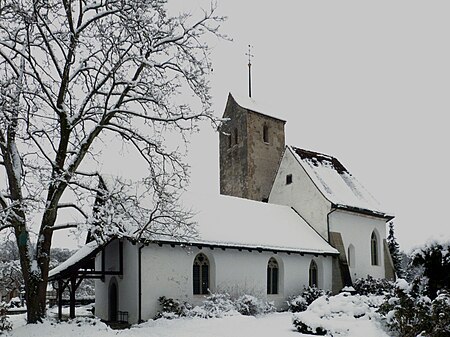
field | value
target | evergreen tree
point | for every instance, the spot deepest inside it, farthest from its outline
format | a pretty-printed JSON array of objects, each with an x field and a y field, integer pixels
[
  {"x": 435, "y": 260},
  {"x": 394, "y": 249}
]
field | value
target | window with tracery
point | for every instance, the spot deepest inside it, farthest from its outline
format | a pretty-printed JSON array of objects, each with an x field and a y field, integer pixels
[
  {"x": 272, "y": 276},
  {"x": 313, "y": 274},
  {"x": 200, "y": 273}
]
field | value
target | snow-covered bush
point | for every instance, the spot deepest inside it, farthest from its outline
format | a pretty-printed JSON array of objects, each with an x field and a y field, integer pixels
[
  {"x": 373, "y": 286},
  {"x": 5, "y": 324},
  {"x": 297, "y": 303},
  {"x": 171, "y": 308},
  {"x": 251, "y": 306},
  {"x": 440, "y": 314},
  {"x": 410, "y": 312},
  {"x": 340, "y": 315},
  {"x": 215, "y": 305},
  {"x": 300, "y": 302}
]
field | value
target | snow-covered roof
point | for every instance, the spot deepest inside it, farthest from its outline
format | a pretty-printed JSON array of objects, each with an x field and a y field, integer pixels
[
  {"x": 336, "y": 183},
  {"x": 231, "y": 221},
  {"x": 250, "y": 104},
  {"x": 79, "y": 255}
]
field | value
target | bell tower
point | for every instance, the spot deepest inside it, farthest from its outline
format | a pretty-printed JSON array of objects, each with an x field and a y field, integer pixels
[{"x": 251, "y": 144}]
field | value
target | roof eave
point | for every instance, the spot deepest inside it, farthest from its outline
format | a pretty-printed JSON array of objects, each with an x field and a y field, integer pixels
[
  {"x": 258, "y": 248},
  {"x": 354, "y": 209}
]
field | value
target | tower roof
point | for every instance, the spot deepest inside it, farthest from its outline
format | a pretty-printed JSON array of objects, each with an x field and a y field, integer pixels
[{"x": 252, "y": 105}]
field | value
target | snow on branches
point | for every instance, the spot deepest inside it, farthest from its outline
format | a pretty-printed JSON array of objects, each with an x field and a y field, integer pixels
[{"x": 73, "y": 76}]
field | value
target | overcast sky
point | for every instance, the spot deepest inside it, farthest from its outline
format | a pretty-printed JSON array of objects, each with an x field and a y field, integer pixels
[{"x": 364, "y": 81}]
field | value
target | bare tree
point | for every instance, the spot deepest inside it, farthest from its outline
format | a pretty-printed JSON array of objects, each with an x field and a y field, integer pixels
[{"x": 73, "y": 73}]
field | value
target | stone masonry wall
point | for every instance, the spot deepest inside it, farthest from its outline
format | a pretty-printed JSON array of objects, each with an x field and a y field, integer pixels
[
  {"x": 248, "y": 166},
  {"x": 264, "y": 157}
]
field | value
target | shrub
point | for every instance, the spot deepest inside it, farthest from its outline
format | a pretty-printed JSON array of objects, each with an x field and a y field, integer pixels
[
  {"x": 218, "y": 305},
  {"x": 311, "y": 294},
  {"x": 373, "y": 286},
  {"x": 215, "y": 305},
  {"x": 300, "y": 302},
  {"x": 340, "y": 315},
  {"x": 171, "y": 308},
  {"x": 251, "y": 306},
  {"x": 306, "y": 329},
  {"x": 5, "y": 324},
  {"x": 297, "y": 304},
  {"x": 409, "y": 312},
  {"x": 440, "y": 315}
]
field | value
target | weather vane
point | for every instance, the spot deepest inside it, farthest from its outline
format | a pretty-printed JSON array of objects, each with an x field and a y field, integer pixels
[{"x": 250, "y": 55}]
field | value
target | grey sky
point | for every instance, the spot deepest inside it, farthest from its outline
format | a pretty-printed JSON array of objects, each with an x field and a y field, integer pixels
[
  {"x": 367, "y": 82},
  {"x": 364, "y": 81}
]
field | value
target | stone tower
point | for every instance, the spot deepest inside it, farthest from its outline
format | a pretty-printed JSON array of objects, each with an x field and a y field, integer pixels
[{"x": 251, "y": 144}]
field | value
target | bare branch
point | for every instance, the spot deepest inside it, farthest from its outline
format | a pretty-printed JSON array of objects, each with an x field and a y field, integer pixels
[{"x": 72, "y": 206}]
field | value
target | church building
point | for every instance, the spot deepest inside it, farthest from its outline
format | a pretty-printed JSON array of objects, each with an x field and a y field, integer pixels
[{"x": 286, "y": 218}]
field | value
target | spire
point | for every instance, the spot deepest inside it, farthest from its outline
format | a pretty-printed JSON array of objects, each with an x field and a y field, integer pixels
[{"x": 250, "y": 55}]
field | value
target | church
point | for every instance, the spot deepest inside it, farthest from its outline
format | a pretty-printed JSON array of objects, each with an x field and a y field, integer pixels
[{"x": 286, "y": 218}]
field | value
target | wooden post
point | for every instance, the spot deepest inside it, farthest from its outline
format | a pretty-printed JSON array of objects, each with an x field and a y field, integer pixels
[
  {"x": 60, "y": 293},
  {"x": 73, "y": 288}
]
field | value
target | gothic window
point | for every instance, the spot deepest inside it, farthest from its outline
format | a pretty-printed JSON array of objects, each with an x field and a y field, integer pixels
[
  {"x": 313, "y": 278},
  {"x": 351, "y": 255},
  {"x": 236, "y": 138},
  {"x": 288, "y": 179},
  {"x": 200, "y": 274},
  {"x": 265, "y": 133},
  {"x": 374, "y": 249},
  {"x": 272, "y": 276}
]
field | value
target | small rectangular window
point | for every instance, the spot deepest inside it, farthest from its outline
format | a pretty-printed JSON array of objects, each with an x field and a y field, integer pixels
[{"x": 288, "y": 179}]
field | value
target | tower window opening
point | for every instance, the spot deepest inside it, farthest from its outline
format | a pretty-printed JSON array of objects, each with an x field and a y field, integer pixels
[
  {"x": 288, "y": 179},
  {"x": 236, "y": 138},
  {"x": 265, "y": 133}
]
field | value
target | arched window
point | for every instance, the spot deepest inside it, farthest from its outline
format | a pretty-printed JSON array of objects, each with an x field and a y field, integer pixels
[
  {"x": 229, "y": 140},
  {"x": 200, "y": 274},
  {"x": 272, "y": 276},
  {"x": 374, "y": 249},
  {"x": 351, "y": 255},
  {"x": 313, "y": 274},
  {"x": 265, "y": 133},
  {"x": 236, "y": 138}
]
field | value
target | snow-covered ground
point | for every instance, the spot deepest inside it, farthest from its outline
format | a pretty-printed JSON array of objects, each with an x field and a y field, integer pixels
[
  {"x": 340, "y": 312},
  {"x": 276, "y": 324}
]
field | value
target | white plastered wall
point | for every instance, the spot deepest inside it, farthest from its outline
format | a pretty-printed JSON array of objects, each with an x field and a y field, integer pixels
[
  {"x": 357, "y": 230},
  {"x": 301, "y": 194},
  {"x": 127, "y": 284},
  {"x": 167, "y": 271}
]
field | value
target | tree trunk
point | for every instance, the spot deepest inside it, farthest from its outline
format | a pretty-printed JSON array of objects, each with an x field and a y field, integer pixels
[{"x": 36, "y": 291}]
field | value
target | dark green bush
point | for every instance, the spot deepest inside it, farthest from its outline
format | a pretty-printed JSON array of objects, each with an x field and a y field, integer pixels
[
  {"x": 373, "y": 286},
  {"x": 304, "y": 328}
]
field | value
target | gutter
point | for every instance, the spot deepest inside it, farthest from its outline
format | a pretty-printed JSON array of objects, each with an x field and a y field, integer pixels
[
  {"x": 140, "y": 284},
  {"x": 333, "y": 209}
]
